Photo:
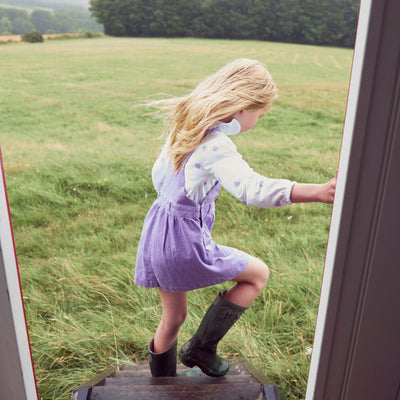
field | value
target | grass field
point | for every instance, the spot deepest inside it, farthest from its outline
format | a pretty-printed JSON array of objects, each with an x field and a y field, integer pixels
[{"x": 78, "y": 156}]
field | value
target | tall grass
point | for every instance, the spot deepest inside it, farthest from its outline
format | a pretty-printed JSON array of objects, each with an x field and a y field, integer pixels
[{"x": 78, "y": 157}]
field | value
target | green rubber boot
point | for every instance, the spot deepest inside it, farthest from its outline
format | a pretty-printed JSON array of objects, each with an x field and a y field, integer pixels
[
  {"x": 164, "y": 364},
  {"x": 201, "y": 349}
]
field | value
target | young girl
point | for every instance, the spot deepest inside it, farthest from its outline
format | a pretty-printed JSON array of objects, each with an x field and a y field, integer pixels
[{"x": 176, "y": 252}]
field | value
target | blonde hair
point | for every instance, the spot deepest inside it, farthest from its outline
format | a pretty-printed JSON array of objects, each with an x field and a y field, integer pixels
[{"x": 243, "y": 84}]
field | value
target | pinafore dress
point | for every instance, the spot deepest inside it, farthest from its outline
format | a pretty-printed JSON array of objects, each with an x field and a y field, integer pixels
[{"x": 176, "y": 251}]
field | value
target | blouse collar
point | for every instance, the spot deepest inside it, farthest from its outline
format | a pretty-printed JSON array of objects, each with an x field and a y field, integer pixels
[{"x": 228, "y": 128}]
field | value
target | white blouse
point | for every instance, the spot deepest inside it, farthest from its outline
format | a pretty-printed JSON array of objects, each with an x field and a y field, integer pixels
[{"x": 217, "y": 159}]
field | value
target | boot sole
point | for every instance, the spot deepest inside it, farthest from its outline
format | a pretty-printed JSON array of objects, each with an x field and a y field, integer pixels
[{"x": 191, "y": 363}]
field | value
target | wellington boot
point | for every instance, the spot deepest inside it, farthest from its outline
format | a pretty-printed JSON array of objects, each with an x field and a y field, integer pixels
[
  {"x": 201, "y": 349},
  {"x": 164, "y": 364}
]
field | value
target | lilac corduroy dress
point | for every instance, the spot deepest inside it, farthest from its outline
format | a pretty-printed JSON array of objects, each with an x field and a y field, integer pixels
[{"x": 176, "y": 251}]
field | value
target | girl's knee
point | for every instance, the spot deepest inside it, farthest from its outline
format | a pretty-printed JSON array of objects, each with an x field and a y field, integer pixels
[
  {"x": 173, "y": 322},
  {"x": 181, "y": 317},
  {"x": 261, "y": 278},
  {"x": 256, "y": 274}
]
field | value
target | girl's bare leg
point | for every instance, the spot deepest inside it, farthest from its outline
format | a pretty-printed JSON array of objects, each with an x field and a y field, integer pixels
[
  {"x": 249, "y": 283},
  {"x": 226, "y": 309},
  {"x": 174, "y": 311}
]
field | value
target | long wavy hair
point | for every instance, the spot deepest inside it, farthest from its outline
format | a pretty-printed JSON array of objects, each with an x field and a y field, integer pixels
[{"x": 243, "y": 84}]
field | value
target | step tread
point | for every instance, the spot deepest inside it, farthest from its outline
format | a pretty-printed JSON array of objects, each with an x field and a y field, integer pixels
[
  {"x": 179, "y": 380},
  {"x": 178, "y": 392}
]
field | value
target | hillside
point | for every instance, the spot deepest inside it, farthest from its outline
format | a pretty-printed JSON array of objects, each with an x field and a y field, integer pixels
[{"x": 46, "y": 4}]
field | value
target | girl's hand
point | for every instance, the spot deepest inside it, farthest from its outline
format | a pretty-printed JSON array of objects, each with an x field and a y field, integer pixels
[
  {"x": 308, "y": 192},
  {"x": 328, "y": 190}
]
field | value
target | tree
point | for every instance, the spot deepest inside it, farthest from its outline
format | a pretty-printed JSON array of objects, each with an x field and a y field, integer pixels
[
  {"x": 174, "y": 17},
  {"x": 228, "y": 19},
  {"x": 312, "y": 21},
  {"x": 42, "y": 20},
  {"x": 65, "y": 21},
  {"x": 32, "y": 37},
  {"x": 13, "y": 13},
  {"x": 19, "y": 20},
  {"x": 60, "y": 21},
  {"x": 343, "y": 19},
  {"x": 146, "y": 17},
  {"x": 328, "y": 22},
  {"x": 113, "y": 14},
  {"x": 281, "y": 20},
  {"x": 21, "y": 25},
  {"x": 258, "y": 14},
  {"x": 5, "y": 26}
]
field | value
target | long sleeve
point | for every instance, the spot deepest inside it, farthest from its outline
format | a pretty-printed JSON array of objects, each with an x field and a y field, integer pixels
[
  {"x": 217, "y": 159},
  {"x": 157, "y": 173}
]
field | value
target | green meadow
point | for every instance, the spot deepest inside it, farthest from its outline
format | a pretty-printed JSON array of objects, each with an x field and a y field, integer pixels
[{"x": 78, "y": 148}]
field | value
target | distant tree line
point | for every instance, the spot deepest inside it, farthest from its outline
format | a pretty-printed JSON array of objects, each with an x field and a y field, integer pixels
[
  {"x": 49, "y": 4},
  {"x": 320, "y": 22},
  {"x": 17, "y": 21}
]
